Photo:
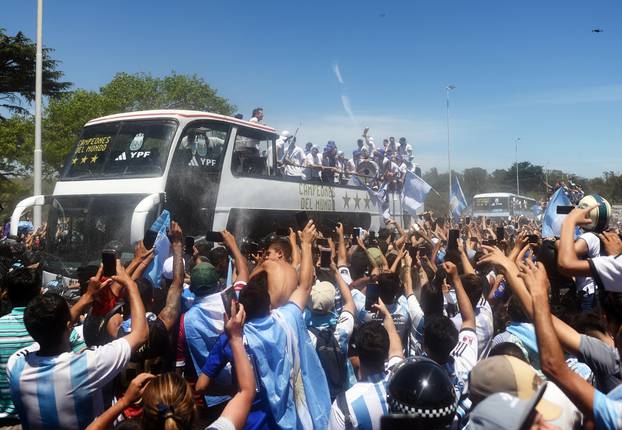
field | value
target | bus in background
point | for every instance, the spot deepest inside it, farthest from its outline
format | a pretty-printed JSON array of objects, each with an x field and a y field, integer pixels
[
  {"x": 491, "y": 205},
  {"x": 210, "y": 171}
]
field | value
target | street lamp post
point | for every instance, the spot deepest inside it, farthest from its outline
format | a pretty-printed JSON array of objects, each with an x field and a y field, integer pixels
[
  {"x": 516, "y": 157},
  {"x": 447, "y": 90},
  {"x": 36, "y": 218}
]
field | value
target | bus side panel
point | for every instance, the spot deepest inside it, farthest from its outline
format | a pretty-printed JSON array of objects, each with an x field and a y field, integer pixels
[{"x": 257, "y": 223}]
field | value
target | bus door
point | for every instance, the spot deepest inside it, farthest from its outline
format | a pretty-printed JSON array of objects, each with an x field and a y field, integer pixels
[{"x": 194, "y": 176}]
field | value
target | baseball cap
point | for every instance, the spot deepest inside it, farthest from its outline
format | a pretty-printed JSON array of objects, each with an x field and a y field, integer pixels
[
  {"x": 203, "y": 277},
  {"x": 375, "y": 255},
  {"x": 323, "y": 297},
  {"x": 503, "y": 411},
  {"x": 510, "y": 375},
  {"x": 285, "y": 134},
  {"x": 167, "y": 268}
]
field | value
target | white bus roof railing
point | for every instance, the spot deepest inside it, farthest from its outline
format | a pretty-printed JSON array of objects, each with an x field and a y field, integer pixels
[
  {"x": 177, "y": 113},
  {"x": 484, "y": 195}
]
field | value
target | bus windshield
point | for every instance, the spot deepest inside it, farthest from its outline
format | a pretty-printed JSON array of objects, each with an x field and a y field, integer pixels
[
  {"x": 79, "y": 227},
  {"x": 120, "y": 149},
  {"x": 490, "y": 204}
]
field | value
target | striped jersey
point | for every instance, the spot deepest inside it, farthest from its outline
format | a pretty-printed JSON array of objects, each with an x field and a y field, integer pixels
[
  {"x": 66, "y": 390},
  {"x": 367, "y": 402},
  {"x": 13, "y": 337}
]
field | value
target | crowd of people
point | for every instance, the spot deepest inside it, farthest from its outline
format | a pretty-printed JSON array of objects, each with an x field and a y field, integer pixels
[
  {"x": 475, "y": 323},
  {"x": 369, "y": 164}
]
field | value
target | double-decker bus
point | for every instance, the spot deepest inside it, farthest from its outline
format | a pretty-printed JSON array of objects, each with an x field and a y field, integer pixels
[
  {"x": 493, "y": 205},
  {"x": 210, "y": 171}
]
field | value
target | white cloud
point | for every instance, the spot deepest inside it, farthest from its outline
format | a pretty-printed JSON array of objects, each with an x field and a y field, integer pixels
[{"x": 337, "y": 72}]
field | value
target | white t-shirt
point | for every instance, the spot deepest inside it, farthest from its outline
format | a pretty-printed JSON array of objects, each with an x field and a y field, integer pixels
[
  {"x": 222, "y": 423},
  {"x": 484, "y": 326},
  {"x": 64, "y": 391},
  {"x": 607, "y": 272},
  {"x": 309, "y": 160},
  {"x": 587, "y": 284},
  {"x": 294, "y": 160}
]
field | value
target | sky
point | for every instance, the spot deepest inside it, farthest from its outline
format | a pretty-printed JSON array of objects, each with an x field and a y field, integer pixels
[{"x": 532, "y": 70}]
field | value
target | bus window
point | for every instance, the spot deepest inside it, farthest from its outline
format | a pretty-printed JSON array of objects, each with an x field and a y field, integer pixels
[
  {"x": 118, "y": 149},
  {"x": 194, "y": 175},
  {"x": 202, "y": 146},
  {"x": 253, "y": 153}
]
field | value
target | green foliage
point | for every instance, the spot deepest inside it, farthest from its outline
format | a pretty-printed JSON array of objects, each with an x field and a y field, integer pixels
[{"x": 17, "y": 73}]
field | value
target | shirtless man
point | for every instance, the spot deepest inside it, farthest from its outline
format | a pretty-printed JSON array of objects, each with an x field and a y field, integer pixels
[{"x": 282, "y": 277}]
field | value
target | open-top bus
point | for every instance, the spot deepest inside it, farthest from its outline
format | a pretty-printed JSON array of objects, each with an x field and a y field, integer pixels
[
  {"x": 210, "y": 171},
  {"x": 493, "y": 205}
]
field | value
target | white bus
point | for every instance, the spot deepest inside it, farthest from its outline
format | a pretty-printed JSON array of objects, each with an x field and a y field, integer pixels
[
  {"x": 493, "y": 205},
  {"x": 210, "y": 171}
]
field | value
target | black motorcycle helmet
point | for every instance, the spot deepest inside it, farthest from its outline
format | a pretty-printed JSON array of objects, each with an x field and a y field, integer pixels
[{"x": 421, "y": 393}]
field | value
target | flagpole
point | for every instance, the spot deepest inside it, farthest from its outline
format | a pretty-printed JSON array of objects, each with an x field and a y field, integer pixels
[
  {"x": 37, "y": 168},
  {"x": 448, "y": 88}
]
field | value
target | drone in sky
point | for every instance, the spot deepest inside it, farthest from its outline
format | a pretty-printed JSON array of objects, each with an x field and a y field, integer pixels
[{"x": 597, "y": 30}]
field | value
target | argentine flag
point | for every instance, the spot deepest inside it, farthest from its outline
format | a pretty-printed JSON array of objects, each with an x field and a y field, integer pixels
[
  {"x": 457, "y": 202},
  {"x": 552, "y": 222},
  {"x": 414, "y": 192},
  {"x": 161, "y": 248}
]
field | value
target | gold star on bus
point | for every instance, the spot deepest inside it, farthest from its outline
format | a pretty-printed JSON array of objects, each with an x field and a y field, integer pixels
[
  {"x": 74, "y": 161},
  {"x": 93, "y": 158},
  {"x": 367, "y": 200},
  {"x": 83, "y": 160}
]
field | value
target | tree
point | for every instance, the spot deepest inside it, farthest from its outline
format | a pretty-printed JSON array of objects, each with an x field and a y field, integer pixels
[
  {"x": 475, "y": 181},
  {"x": 17, "y": 72}
]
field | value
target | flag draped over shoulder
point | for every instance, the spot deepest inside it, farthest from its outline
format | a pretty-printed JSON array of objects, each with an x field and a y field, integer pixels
[
  {"x": 414, "y": 192},
  {"x": 290, "y": 370},
  {"x": 457, "y": 201},
  {"x": 161, "y": 248},
  {"x": 552, "y": 221}
]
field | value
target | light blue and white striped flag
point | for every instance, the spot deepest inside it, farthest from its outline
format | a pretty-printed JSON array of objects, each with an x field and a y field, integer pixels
[{"x": 414, "y": 192}]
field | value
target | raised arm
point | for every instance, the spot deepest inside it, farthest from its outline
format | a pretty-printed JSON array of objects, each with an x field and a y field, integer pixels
[
  {"x": 346, "y": 294},
  {"x": 342, "y": 253},
  {"x": 551, "y": 355},
  {"x": 172, "y": 308},
  {"x": 569, "y": 337},
  {"x": 395, "y": 343},
  {"x": 466, "y": 308},
  {"x": 139, "y": 330},
  {"x": 568, "y": 261},
  {"x": 132, "y": 395},
  {"x": 301, "y": 295},
  {"x": 295, "y": 250},
  {"x": 464, "y": 259},
  {"x": 92, "y": 290},
  {"x": 241, "y": 265},
  {"x": 238, "y": 408}
]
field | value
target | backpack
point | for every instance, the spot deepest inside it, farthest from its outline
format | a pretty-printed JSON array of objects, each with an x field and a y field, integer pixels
[{"x": 332, "y": 359}]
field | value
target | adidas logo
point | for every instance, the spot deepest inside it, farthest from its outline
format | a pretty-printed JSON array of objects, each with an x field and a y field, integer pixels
[
  {"x": 193, "y": 162},
  {"x": 121, "y": 157}
]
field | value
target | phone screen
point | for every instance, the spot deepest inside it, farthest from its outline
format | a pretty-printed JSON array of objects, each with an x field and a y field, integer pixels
[
  {"x": 500, "y": 233},
  {"x": 227, "y": 297},
  {"x": 356, "y": 232},
  {"x": 533, "y": 238},
  {"x": 109, "y": 262},
  {"x": 452, "y": 241},
  {"x": 213, "y": 236},
  {"x": 467, "y": 220},
  {"x": 302, "y": 219},
  {"x": 564, "y": 210},
  {"x": 188, "y": 245},
  {"x": 325, "y": 259},
  {"x": 372, "y": 294}
]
